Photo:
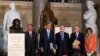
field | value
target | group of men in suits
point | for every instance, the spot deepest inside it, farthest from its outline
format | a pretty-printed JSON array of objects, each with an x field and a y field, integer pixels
[{"x": 50, "y": 44}]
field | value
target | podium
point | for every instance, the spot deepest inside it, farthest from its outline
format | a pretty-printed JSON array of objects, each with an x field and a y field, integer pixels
[{"x": 16, "y": 44}]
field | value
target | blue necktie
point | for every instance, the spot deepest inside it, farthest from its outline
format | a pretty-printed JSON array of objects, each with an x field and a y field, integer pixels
[
  {"x": 62, "y": 36},
  {"x": 76, "y": 36}
]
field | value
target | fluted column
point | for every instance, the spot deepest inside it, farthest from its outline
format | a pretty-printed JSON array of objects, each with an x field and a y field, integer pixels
[
  {"x": 38, "y": 6},
  {"x": 62, "y": 1}
]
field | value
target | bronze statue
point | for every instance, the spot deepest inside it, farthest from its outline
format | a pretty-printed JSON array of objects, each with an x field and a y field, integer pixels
[
  {"x": 47, "y": 16},
  {"x": 16, "y": 28}
]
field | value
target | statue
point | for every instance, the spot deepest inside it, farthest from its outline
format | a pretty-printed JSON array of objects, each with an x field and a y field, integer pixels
[
  {"x": 9, "y": 16},
  {"x": 90, "y": 16},
  {"x": 47, "y": 16},
  {"x": 16, "y": 28}
]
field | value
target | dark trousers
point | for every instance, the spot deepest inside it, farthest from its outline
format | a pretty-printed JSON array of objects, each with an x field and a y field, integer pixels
[
  {"x": 48, "y": 53},
  {"x": 29, "y": 53},
  {"x": 76, "y": 52},
  {"x": 61, "y": 53},
  {"x": 70, "y": 53}
]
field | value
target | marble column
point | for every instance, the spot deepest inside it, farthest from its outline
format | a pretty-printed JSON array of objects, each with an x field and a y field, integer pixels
[
  {"x": 38, "y": 6},
  {"x": 62, "y": 1}
]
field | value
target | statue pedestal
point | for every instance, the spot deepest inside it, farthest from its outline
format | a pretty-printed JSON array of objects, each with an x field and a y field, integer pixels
[{"x": 16, "y": 45}]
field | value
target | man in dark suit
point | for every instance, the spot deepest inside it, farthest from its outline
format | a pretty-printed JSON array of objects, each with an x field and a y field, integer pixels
[
  {"x": 77, "y": 42},
  {"x": 30, "y": 41},
  {"x": 62, "y": 42},
  {"x": 47, "y": 40}
]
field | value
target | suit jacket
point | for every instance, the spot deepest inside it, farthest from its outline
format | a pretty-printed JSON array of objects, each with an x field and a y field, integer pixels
[
  {"x": 45, "y": 41},
  {"x": 62, "y": 45},
  {"x": 80, "y": 38},
  {"x": 30, "y": 43}
]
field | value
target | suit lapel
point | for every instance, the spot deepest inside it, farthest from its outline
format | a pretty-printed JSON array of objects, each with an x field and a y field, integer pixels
[
  {"x": 64, "y": 36},
  {"x": 79, "y": 36},
  {"x": 32, "y": 35},
  {"x": 50, "y": 34},
  {"x": 28, "y": 35},
  {"x": 46, "y": 34},
  {"x": 60, "y": 37}
]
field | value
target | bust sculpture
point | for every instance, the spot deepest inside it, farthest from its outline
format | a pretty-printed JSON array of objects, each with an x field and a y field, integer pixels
[
  {"x": 16, "y": 28},
  {"x": 47, "y": 16},
  {"x": 90, "y": 16},
  {"x": 9, "y": 16}
]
